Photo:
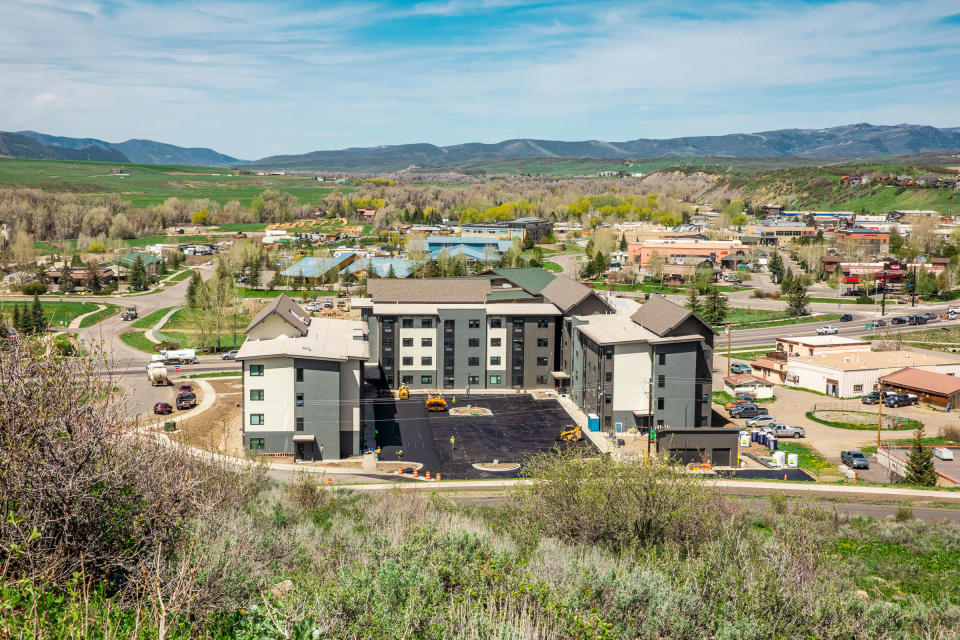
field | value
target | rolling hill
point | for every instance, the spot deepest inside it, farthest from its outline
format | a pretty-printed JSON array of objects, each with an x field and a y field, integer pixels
[
  {"x": 140, "y": 151},
  {"x": 20, "y": 146},
  {"x": 836, "y": 143}
]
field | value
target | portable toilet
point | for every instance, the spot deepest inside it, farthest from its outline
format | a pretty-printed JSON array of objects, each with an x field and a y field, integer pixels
[
  {"x": 793, "y": 461},
  {"x": 779, "y": 457},
  {"x": 755, "y": 435},
  {"x": 762, "y": 438},
  {"x": 744, "y": 439},
  {"x": 593, "y": 422},
  {"x": 772, "y": 441}
]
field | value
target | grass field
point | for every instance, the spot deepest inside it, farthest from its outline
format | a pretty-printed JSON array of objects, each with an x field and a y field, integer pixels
[
  {"x": 806, "y": 458},
  {"x": 150, "y": 319},
  {"x": 182, "y": 327},
  {"x": 58, "y": 314},
  {"x": 137, "y": 340},
  {"x": 97, "y": 318},
  {"x": 299, "y": 293},
  {"x": 215, "y": 374},
  {"x": 181, "y": 276},
  {"x": 552, "y": 267},
  {"x": 825, "y": 317},
  {"x": 152, "y": 184}
]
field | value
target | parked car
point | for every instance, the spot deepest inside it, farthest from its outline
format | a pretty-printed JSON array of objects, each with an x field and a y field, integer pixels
[
  {"x": 900, "y": 400},
  {"x": 739, "y": 367},
  {"x": 870, "y": 398},
  {"x": 186, "y": 401},
  {"x": 854, "y": 459},
  {"x": 747, "y": 411},
  {"x": 898, "y": 320},
  {"x": 760, "y": 420},
  {"x": 828, "y": 330},
  {"x": 162, "y": 408},
  {"x": 740, "y": 400},
  {"x": 229, "y": 355},
  {"x": 784, "y": 431},
  {"x": 847, "y": 317}
]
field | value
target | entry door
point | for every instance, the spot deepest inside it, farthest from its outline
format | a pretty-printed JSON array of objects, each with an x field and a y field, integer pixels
[{"x": 298, "y": 451}]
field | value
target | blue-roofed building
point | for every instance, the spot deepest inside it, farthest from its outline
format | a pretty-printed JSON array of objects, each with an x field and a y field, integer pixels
[
  {"x": 317, "y": 267},
  {"x": 472, "y": 247},
  {"x": 402, "y": 267},
  {"x": 535, "y": 228}
]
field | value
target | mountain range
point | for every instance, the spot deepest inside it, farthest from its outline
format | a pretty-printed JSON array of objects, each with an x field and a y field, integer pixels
[
  {"x": 835, "y": 143},
  {"x": 134, "y": 151}
]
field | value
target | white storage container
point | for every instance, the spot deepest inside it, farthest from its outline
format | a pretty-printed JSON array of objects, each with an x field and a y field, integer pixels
[
  {"x": 779, "y": 457},
  {"x": 793, "y": 460}
]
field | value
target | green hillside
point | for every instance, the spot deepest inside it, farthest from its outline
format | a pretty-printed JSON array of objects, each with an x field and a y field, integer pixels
[{"x": 152, "y": 184}]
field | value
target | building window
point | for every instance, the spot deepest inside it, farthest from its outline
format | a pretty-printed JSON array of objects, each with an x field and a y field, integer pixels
[
  {"x": 496, "y": 323},
  {"x": 496, "y": 379},
  {"x": 607, "y": 398},
  {"x": 407, "y": 323},
  {"x": 858, "y": 388},
  {"x": 299, "y": 374},
  {"x": 298, "y": 425},
  {"x": 256, "y": 370},
  {"x": 387, "y": 344},
  {"x": 389, "y": 379},
  {"x": 608, "y": 376},
  {"x": 473, "y": 324},
  {"x": 473, "y": 379},
  {"x": 494, "y": 361},
  {"x": 256, "y": 443},
  {"x": 448, "y": 382},
  {"x": 542, "y": 361},
  {"x": 426, "y": 342},
  {"x": 608, "y": 353},
  {"x": 426, "y": 379},
  {"x": 660, "y": 404},
  {"x": 256, "y": 419},
  {"x": 256, "y": 395},
  {"x": 473, "y": 362},
  {"x": 473, "y": 342},
  {"x": 661, "y": 381},
  {"x": 407, "y": 379},
  {"x": 543, "y": 324},
  {"x": 661, "y": 358},
  {"x": 517, "y": 381},
  {"x": 495, "y": 342},
  {"x": 541, "y": 379},
  {"x": 606, "y": 421},
  {"x": 517, "y": 323},
  {"x": 406, "y": 342},
  {"x": 426, "y": 361},
  {"x": 388, "y": 362},
  {"x": 543, "y": 342},
  {"x": 408, "y": 361},
  {"x": 659, "y": 423},
  {"x": 299, "y": 399},
  {"x": 427, "y": 323}
]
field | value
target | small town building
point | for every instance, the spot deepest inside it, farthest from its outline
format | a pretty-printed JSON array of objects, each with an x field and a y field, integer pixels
[
  {"x": 938, "y": 389},
  {"x": 714, "y": 250},
  {"x": 533, "y": 228},
  {"x": 852, "y": 374},
  {"x": 875, "y": 238},
  {"x": 777, "y": 233}
]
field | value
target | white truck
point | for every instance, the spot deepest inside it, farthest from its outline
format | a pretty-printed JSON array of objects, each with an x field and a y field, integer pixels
[
  {"x": 178, "y": 356},
  {"x": 157, "y": 374}
]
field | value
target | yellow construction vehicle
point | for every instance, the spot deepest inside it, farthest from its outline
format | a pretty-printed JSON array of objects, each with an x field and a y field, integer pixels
[
  {"x": 403, "y": 392},
  {"x": 572, "y": 435},
  {"x": 436, "y": 403}
]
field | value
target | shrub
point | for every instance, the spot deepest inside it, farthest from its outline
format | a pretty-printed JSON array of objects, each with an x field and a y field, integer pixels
[
  {"x": 34, "y": 288},
  {"x": 864, "y": 300},
  {"x": 96, "y": 247},
  {"x": 168, "y": 345},
  {"x": 903, "y": 514}
]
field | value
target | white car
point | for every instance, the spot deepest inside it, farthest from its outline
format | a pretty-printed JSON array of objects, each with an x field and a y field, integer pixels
[
  {"x": 760, "y": 420},
  {"x": 827, "y": 330}
]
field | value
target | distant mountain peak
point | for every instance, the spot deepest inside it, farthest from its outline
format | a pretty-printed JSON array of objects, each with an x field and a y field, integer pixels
[{"x": 141, "y": 151}]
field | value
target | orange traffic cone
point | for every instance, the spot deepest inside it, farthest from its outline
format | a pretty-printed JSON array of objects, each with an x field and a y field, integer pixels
[
  {"x": 416, "y": 473},
  {"x": 438, "y": 476},
  {"x": 428, "y": 475},
  {"x": 329, "y": 481}
]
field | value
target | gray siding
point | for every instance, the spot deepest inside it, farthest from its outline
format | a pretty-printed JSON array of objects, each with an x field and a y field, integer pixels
[
  {"x": 684, "y": 385},
  {"x": 321, "y": 405}
]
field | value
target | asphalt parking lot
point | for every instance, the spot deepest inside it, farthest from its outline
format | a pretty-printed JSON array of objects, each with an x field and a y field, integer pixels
[{"x": 519, "y": 427}]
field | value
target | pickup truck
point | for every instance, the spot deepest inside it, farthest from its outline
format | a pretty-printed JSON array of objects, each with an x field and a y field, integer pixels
[
  {"x": 784, "y": 431},
  {"x": 747, "y": 411},
  {"x": 854, "y": 459},
  {"x": 900, "y": 400},
  {"x": 827, "y": 330},
  {"x": 870, "y": 398}
]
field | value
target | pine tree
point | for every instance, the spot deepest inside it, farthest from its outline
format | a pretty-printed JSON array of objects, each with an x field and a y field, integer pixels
[
  {"x": 138, "y": 275},
  {"x": 253, "y": 275},
  {"x": 76, "y": 261},
  {"x": 920, "y": 469},
  {"x": 693, "y": 301},
  {"x": 775, "y": 265},
  {"x": 714, "y": 307},
  {"x": 191, "y": 295},
  {"x": 66, "y": 280},
  {"x": 391, "y": 273},
  {"x": 17, "y": 319},
  {"x": 623, "y": 242},
  {"x": 797, "y": 300},
  {"x": 38, "y": 322}
]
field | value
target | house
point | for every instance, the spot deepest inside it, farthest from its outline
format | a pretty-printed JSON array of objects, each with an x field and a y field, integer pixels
[
  {"x": 125, "y": 262},
  {"x": 302, "y": 380},
  {"x": 937, "y": 389},
  {"x": 80, "y": 275},
  {"x": 747, "y": 384},
  {"x": 368, "y": 214}
]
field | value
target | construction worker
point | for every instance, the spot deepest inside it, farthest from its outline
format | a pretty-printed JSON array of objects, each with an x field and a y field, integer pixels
[
  {"x": 399, "y": 453},
  {"x": 454, "y": 399},
  {"x": 321, "y": 450},
  {"x": 378, "y": 453},
  {"x": 452, "y": 443}
]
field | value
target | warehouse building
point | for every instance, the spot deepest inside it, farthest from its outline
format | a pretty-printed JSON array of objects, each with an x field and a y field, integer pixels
[{"x": 938, "y": 389}]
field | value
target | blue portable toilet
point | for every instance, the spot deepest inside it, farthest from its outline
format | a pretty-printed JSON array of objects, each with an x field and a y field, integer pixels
[
  {"x": 593, "y": 422},
  {"x": 755, "y": 435},
  {"x": 773, "y": 443}
]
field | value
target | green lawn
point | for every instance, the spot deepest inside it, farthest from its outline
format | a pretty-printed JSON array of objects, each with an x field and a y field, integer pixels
[
  {"x": 182, "y": 327},
  {"x": 243, "y": 226},
  {"x": 137, "y": 340},
  {"x": 552, "y": 267},
  {"x": 825, "y": 317},
  {"x": 908, "y": 424},
  {"x": 267, "y": 293},
  {"x": 927, "y": 442},
  {"x": 806, "y": 458},
  {"x": 181, "y": 276},
  {"x": 150, "y": 319},
  {"x": 748, "y": 356},
  {"x": 722, "y": 397},
  {"x": 192, "y": 340},
  {"x": 57, "y": 313},
  {"x": 103, "y": 314},
  {"x": 847, "y": 300},
  {"x": 215, "y": 374}
]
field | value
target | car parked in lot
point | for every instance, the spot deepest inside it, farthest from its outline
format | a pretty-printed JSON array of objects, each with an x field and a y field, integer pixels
[
  {"x": 739, "y": 367},
  {"x": 847, "y": 317},
  {"x": 748, "y": 410},
  {"x": 828, "y": 330},
  {"x": 870, "y": 398},
  {"x": 162, "y": 408},
  {"x": 898, "y": 320},
  {"x": 760, "y": 420},
  {"x": 229, "y": 355},
  {"x": 740, "y": 400},
  {"x": 900, "y": 400},
  {"x": 784, "y": 431},
  {"x": 186, "y": 401},
  {"x": 854, "y": 459}
]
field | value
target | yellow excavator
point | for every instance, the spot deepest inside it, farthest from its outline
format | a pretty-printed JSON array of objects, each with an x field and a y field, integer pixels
[
  {"x": 403, "y": 392},
  {"x": 572, "y": 435},
  {"x": 435, "y": 402}
]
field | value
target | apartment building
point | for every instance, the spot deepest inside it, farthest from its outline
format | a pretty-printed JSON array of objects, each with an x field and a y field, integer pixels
[
  {"x": 302, "y": 379},
  {"x": 714, "y": 250}
]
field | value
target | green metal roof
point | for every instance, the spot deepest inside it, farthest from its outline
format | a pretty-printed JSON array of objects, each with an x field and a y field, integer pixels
[
  {"x": 533, "y": 279},
  {"x": 499, "y": 296},
  {"x": 130, "y": 258}
]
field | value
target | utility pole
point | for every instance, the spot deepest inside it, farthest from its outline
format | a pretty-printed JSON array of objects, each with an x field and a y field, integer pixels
[
  {"x": 913, "y": 302},
  {"x": 883, "y": 303},
  {"x": 879, "y": 413},
  {"x": 728, "y": 350}
]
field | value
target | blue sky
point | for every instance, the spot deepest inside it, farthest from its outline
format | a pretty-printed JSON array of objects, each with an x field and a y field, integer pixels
[{"x": 252, "y": 78}]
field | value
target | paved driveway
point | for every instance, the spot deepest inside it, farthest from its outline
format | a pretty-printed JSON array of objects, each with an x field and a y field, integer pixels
[{"x": 520, "y": 426}]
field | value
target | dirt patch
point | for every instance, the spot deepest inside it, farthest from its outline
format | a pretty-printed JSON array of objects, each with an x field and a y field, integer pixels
[
  {"x": 470, "y": 411},
  {"x": 497, "y": 466},
  {"x": 218, "y": 428}
]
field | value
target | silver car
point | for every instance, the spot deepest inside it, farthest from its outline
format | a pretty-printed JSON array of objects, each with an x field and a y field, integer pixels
[{"x": 760, "y": 420}]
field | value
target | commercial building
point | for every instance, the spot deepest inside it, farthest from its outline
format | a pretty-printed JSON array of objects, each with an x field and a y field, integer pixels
[
  {"x": 875, "y": 238},
  {"x": 302, "y": 380},
  {"x": 776, "y": 233},
  {"x": 938, "y": 389},
  {"x": 714, "y": 250},
  {"x": 473, "y": 248},
  {"x": 534, "y": 228},
  {"x": 852, "y": 374}
]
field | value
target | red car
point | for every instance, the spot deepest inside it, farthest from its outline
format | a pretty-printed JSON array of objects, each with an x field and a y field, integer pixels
[{"x": 162, "y": 408}]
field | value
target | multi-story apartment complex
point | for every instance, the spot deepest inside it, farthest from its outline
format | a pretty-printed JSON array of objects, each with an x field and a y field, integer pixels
[{"x": 302, "y": 379}]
